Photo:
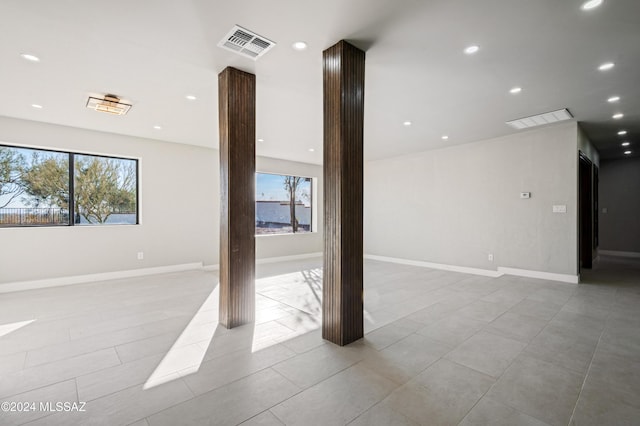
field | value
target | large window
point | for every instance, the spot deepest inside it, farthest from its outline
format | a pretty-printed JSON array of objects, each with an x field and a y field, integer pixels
[
  {"x": 283, "y": 204},
  {"x": 50, "y": 188}
]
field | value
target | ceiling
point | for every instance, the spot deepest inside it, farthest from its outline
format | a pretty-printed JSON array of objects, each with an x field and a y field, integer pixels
[{"x": 154, "y": 53}]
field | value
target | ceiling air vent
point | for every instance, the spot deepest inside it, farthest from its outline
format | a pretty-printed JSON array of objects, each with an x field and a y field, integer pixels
[
  {"x": 109, "y": 104},
  {"x": 541, "y": 119},
  {"x": 246, "y": 43}
]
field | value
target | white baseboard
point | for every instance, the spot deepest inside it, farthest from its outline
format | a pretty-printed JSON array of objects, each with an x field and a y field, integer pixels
[
  {"x": 631, "y": 254},
  {"x": 83, "y": 279},
  {"x": 476, "y": 271},
  {"x": 272, "y": 260},
  {"x": 565, "y": 278},
  {"x": 442, "y": 266}
]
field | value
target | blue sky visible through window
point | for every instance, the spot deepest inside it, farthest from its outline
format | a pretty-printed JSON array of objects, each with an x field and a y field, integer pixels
[{"x": 270, "y": 187}]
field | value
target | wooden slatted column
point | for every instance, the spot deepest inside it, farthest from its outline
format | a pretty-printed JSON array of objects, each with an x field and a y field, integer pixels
[
  {"x": 237, "y": 115},
  {"x": 342, "y": 306}
]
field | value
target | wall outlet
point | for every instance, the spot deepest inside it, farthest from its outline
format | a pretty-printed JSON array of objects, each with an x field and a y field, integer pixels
[
  {"x": 490, "y": 257},
  {"x": 140, "y": 255},
  {"x": 562, "y": 208},
  {"x": 525, "y": 195}
]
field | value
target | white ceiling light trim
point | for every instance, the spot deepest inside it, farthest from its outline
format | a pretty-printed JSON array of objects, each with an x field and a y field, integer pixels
[
  {"x": 471, "y": 49},
  {"x": 626, "y": 143},
  {"x": 622, "y": 132},
  {"x": 29, "y": 57},
  {"x": 299, "y": 45},
  {"x": 591, "y": 4},
  {"x": 541, "y": 119},
  {"x": 246, "y": 43},
  {"x": 618, "y": 116},
  {"x": 191, "y": 97},
  {"x": 515, "y": 90},
  {"x": 613, "y": 99},
  {"x": 606, "y": 66},
  {"x": 36, "y": 106},
  {"x": 406, "y": 123},
  {"x": 627, "y": 153}
]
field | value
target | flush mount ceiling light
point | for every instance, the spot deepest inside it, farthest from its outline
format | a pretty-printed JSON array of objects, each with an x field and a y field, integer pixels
[
  {"x": 622, "y": 132},
  {"x": 590, "y": 4},
  {"x": 541, "y": 119},
  {"x": 626, "y": 143},
  {"x": 515, "y": 90},
  {"x": 618, "y": 116},
  {"x": 109, "y": 104},
  {"x": 606, "y": 66},
  {"x": 470, "y": 50},
  {"x": 246, "y": 43},
  {"x": 30, "y": 57},
  {"x": 406, "y": 123},
  {"x": 299, "y": 45},
  {"x": 613, "y": 99}
]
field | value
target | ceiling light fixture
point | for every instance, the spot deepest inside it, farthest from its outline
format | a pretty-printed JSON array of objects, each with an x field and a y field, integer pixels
[
  {"x": 445, "y": 137},
  {"x": 299, "y": 45},
  {"x": 260, "y": 140},
  {"x": 606, "y": 66},
  {"x": 613, "y": 99},
  {"x": 30, "y": 57},
  {"x": 626, "y": 143},
  {"x": 540, "y": 119},
  {"x": 515, "y": 90},
  {"x": 36, "y": 106},
  {"x": 157, "y": 127},
  {"x": 407, "y": 123},
  {"x": 627, "y": 152},
  {"x": 591, "y": 4},
  {"x": 618, "y": 116},
  {"x": 622, "y": 132},
  {"x": 191, "y": 97},
  {"x": 471, "y": 49},
  {"x": 311, "y": 150},
  {"x": 110, "y": 104}
]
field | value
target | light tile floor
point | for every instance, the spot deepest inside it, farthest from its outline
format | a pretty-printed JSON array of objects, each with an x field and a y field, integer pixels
[{"x": 441, "y": 348}]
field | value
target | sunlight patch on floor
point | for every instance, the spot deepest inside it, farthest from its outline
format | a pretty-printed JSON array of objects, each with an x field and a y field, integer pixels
[
  {"x": 10, "y": 328},
  {"x": 188, "y": 351}
]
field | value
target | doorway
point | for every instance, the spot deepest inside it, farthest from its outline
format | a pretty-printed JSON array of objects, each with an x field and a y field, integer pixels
[{"x": 585, "y": 202}]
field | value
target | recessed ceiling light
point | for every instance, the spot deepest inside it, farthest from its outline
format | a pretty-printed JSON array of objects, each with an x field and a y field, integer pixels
[
  {"x": 299, "y": 45},
  {"x": 627, "y": 152},
  {"x": 613, "y": 99},
  {"x": 622, "y": 132},
  {"x": 30, "y": 57},
  {"x": 471, "y": 49},
  {"x": 311, "y": 150},
  {"x": 590, "y": 4},
  {"x": 606, "y": 66},
  {"x": 515, "y": 90},
  {"x": 445, "y": 137},
  {"x": 36, "y": 106},
  {"x": 157, "y": 127},
  {"x": 260, "y": 140},
  {"x": 618, "y": 116},
  {"x": 626, "y": 143},
  {"x": 407, "y": 123},
  {"x": 191, "y": 97}
]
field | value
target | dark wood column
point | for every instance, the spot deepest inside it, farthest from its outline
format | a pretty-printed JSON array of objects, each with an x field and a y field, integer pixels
[
  {"x": 237, "y": 116},
  {"x": 342, "y": 306}
]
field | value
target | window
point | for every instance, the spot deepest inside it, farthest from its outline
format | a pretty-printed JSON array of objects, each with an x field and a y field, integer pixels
[
  {"x": 50, "y": 188},
  {"x": 283, "y": 204}
]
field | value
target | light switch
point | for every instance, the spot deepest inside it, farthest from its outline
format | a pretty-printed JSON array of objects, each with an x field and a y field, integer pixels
[
  {"x": 561, "y": 208},
  {"x": 525, "y": 195}
]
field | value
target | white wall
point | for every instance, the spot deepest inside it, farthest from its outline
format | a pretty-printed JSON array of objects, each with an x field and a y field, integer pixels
[
  {"x": 293, "y": 244},
  {"x": 456, "y": 205},
  {"x": 179, "y": 210}
]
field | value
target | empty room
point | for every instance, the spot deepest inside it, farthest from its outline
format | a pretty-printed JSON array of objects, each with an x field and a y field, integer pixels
[{"x": 348, "y": 212}]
